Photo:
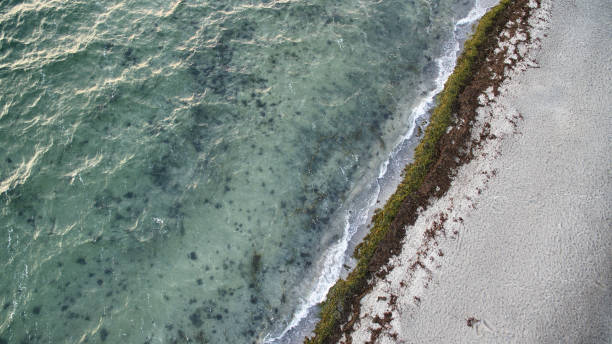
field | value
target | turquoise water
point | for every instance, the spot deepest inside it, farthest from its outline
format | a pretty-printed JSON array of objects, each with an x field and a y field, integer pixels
[{"x": 172, "y": 171}]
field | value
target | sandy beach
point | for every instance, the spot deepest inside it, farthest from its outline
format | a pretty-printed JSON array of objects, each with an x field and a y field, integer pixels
[{"x": 519, "y": 250}]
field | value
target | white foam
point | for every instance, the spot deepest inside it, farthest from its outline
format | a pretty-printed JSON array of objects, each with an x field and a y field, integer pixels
[{"x": 334, "y": 258}]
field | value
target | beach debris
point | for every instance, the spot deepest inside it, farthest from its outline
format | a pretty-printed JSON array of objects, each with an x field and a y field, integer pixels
[{"x": 471, "y": 321}]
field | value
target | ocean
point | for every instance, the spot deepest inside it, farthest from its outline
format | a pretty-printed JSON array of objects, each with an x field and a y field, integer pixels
[{"x": 199, "y": 171}]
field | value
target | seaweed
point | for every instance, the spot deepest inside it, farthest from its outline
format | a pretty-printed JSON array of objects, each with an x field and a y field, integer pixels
[
  {"x": 419, "y": 179},
  {"x": 103, "y": 334}
]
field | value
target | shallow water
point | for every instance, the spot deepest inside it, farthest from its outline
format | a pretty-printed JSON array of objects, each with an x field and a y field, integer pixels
[{"x": 172, "y": 172}]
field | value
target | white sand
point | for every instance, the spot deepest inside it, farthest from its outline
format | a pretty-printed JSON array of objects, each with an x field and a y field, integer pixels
[{"x": 527, "y": 249}]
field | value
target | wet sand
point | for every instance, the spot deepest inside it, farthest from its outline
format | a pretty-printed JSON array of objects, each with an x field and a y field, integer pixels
[{"x": 522, "y": 251}]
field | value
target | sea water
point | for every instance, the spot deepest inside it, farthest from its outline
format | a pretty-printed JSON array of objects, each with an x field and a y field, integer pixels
[{"x": 178, "y": 171}]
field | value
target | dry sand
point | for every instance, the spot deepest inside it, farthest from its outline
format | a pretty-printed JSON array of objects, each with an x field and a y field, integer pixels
[{"x": 524, "y": 251}]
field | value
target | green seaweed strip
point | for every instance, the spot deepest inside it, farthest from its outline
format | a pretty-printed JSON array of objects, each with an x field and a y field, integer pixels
[{"x": 341, "y": 295}]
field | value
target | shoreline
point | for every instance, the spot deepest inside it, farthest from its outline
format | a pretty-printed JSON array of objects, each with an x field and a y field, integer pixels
[
  {"x": 378, "y": 189},
  {"x": 427, "y": 176},
  {"x": 518, "y": 248}
]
